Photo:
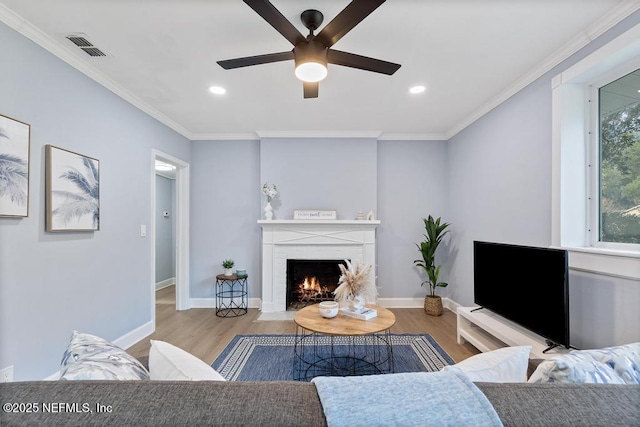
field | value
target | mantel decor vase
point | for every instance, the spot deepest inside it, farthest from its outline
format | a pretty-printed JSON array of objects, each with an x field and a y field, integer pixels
[
  {"x": 433, "y": 305},
  {"x": 356, "y": 303},
  {"x": 268, "y": 212}
]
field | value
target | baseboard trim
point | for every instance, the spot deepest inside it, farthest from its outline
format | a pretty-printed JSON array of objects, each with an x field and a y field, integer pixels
[
  {"x": 211, "y": 303},
  {"x": 165, "y": 283},
  {"x": 414, "y": 303},
  {"x": 138, "y": 334}
]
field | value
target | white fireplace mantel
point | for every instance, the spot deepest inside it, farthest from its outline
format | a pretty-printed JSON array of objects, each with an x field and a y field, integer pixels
[{"x": 310, "y": 239}]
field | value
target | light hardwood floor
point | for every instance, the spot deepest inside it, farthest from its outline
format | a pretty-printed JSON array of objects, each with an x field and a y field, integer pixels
[{"x": 200, "y": 332}]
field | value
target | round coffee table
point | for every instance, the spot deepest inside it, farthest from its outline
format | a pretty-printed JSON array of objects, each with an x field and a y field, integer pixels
[{"x": 343, "y": 345}]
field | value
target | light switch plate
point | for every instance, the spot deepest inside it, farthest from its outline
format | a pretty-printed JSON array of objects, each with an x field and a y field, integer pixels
[{"x": 143, "y": 230}]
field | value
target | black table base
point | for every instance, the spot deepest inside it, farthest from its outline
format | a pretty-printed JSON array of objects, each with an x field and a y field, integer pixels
[
  {"x": 231, "y": 296},
  {"x": 341, "y": 355}
]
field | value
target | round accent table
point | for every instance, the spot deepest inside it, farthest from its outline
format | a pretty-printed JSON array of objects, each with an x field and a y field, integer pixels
[
  {"x": 343, "y": 345},
  {"x": 231, "y": 295}
]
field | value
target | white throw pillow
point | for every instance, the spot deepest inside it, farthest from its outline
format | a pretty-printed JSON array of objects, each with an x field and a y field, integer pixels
[
  {"x": 168, "y": 362},
  {"x": 504, "y": 365}
]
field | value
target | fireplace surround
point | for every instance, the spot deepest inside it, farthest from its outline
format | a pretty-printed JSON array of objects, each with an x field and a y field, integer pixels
[{"x": 310, "y": 240}]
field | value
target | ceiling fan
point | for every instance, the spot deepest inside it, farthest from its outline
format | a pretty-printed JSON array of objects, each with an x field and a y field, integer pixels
[{"x": 312, "y": 53}]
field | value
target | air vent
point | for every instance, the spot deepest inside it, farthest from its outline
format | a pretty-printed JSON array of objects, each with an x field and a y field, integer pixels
[
  {"x": 93, "y": 51},
  {"x": 81, "y": 41}
]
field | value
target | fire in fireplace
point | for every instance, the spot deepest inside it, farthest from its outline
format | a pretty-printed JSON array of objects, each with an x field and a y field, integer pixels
[{"x": 311, "y": 281}]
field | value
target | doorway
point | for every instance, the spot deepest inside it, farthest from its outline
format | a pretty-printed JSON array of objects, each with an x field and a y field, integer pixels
[
  {"x": 180, "y": 170},
  {"x": 165, "y": 227}
]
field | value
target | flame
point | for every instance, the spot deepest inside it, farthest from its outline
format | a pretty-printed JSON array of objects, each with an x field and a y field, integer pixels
[
  {"x": 310, "y": 290},
  {"x": 310, "y": 284}
]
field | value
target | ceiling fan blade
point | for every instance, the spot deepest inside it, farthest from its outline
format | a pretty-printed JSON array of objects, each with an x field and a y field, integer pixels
[
  {"x": 276, "y": 19},
  {"x": 344, "y": 22},
  {"x": 310, "y": 89},
  {"x": 255, "y": 60},
  {"x": 362, "y": 62}
]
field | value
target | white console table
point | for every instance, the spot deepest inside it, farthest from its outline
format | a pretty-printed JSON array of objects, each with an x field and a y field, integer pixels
[{"x": 487, "y": 331}]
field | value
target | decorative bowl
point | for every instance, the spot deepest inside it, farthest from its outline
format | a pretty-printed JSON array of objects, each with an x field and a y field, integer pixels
[
  {"x": 329, "y": 309},
  {"x": 241, "y": 272}
]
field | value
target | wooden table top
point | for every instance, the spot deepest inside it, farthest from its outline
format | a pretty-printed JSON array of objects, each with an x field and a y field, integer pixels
[
  {"x": 232, "y": 277},
  {"x": 310, "y": 319}
]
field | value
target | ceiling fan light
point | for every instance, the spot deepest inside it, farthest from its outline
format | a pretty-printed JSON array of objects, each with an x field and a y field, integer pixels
[{"x": 311, "y": 71}]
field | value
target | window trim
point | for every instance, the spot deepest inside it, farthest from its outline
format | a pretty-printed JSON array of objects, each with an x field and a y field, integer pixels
[{"x": 571, "y": 186}]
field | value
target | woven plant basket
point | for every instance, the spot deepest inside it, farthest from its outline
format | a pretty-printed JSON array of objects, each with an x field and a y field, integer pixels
[{"x": 433, "y": 305}]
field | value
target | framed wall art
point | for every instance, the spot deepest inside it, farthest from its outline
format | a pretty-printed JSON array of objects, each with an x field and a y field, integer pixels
[
  {"x": 14, "y": 168},
  {"x": 72, "y": 191}
]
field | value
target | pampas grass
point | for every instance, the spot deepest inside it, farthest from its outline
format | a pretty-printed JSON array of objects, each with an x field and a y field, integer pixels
[{"x": 355, "y": 281}]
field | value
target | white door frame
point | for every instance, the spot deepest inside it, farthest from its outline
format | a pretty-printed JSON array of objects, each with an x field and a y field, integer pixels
[{"x": 182, "y": 231}]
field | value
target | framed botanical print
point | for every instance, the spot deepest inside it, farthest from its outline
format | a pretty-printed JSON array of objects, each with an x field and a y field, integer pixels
[
  {"x": 72, "y": 191},
  {"x": 14, "y": 168}
]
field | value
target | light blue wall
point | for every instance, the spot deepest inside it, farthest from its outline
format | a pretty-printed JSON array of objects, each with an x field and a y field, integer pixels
[
  {"x": 165, "y": 229},
  {"x": 500, "y": 181},
  {"x": 412, "y": 183},
  {"x": 500, "y": 190},
  {"x": 316, "y": 173},
  {"x": 225, "y": 206},
  {"x": 53, "y": 283}
]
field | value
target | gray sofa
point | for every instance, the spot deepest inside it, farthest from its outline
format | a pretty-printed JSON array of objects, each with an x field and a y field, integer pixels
[{"x": 172, "y": 403}]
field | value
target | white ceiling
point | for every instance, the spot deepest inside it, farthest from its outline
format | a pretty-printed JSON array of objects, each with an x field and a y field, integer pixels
[{"x": 470, "y": 54}]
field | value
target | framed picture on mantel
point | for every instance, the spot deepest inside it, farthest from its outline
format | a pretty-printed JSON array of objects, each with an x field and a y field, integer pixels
[{"x": 314, "y": 214}]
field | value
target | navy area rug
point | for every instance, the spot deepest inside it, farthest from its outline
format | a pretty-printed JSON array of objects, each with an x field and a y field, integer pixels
[{"x": 271, "y": 358}]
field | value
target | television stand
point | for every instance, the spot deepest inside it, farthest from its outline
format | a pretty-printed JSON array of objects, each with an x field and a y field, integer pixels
[{"x": 487, "y": 331}]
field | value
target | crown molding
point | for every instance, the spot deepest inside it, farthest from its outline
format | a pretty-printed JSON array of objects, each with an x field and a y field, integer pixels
[
  {"x": 33, "y": 33},
  {"x": 622, "y": 11},
  {"x": 250, "y": 136},
  {"x": 413, "y": 137},
  {"x": 319, "y": 134},
  {"x": 247, "y": 136}
]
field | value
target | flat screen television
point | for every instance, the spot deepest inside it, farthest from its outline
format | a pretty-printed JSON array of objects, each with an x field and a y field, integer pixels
[{"x": 527, "y": 285}]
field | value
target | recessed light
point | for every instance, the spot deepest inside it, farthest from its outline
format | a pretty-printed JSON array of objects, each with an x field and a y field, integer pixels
[
  {"x": 417, "y": 89},
  {"x": 218, "y": 90}
]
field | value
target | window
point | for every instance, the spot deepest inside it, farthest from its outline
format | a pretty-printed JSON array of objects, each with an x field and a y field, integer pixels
[
  {"x": 617, "y": 214},
  {"x": 596, "y": 160}
]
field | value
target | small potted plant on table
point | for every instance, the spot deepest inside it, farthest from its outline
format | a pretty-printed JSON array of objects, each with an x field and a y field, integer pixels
[
  {"x": 435, "y": 231},
  {"x": 227, "y": 264}
]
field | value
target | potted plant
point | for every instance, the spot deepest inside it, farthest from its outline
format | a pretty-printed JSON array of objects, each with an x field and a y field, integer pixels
[
  {"x": 227, "y": 264},
  {"x": 435, "y": 231}
]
